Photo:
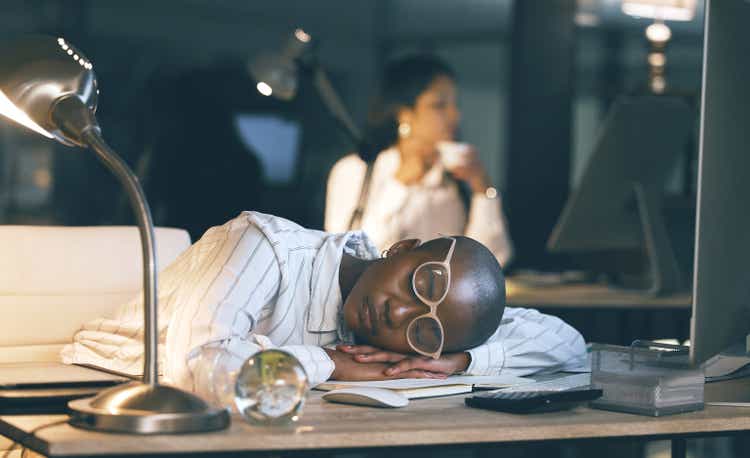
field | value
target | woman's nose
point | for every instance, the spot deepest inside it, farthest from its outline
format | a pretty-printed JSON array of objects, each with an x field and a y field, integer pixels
[
  {"x": 456, "y": 114},
  {"x": 399, "y": 313}
]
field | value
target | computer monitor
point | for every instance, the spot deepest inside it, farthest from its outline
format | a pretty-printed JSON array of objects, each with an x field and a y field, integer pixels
[
  {"x": 721, "y": 278},
  {"x": 615, "y": 213}
]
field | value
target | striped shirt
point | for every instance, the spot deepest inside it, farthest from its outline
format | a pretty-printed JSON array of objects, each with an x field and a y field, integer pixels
[{"x": 260, "y": 281}]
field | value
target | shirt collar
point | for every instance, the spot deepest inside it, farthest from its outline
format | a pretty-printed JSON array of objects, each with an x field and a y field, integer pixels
[{"x": 326, "y": 302}]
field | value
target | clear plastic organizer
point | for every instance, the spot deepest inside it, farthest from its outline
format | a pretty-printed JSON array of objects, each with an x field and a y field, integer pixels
[{"x": 646, "y": 378}]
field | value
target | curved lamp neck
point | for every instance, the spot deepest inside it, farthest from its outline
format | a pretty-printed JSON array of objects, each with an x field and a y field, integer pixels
[{"x": 78, "y": 124}]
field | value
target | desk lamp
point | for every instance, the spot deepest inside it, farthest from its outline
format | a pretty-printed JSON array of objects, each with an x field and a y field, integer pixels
[
  {"x": 277, "y": 74},
  {"x": 49, "y": 86}
]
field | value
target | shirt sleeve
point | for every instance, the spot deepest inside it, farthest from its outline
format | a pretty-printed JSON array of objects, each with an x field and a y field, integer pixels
[
  {"x": 230, "y": 289},
  {"x": 487, "y": 224},
  {"x": 342, "y": 192},
  {"x": 531, "y": 343}
]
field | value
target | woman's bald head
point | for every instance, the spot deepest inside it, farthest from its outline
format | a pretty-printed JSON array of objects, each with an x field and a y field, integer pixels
[
  {"x": 477, "y": 292},
  {"x": 382, "y": 303}
]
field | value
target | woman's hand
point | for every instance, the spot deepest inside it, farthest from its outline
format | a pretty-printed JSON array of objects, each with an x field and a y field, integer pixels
[
  {"x": 347, "y": 368},
  {"x": 472, "y": 171},
  {"x": 400, "y": 366},
  {"x": 417, "y": 157}
]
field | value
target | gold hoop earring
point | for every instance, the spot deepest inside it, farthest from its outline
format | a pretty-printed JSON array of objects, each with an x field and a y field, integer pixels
[{"x": 404, "y": 129}]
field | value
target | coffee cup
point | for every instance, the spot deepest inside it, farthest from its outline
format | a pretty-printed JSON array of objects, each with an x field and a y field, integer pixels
[{"x": 453, "y": 154}]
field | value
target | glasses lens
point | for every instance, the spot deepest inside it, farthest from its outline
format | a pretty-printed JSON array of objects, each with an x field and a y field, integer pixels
[
  {"x": 425, "y": 334},
  {"x": 431, "y": 282}
]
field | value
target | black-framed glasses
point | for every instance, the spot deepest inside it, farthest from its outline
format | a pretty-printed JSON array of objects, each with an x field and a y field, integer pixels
[{"x": 430, "y": 283}]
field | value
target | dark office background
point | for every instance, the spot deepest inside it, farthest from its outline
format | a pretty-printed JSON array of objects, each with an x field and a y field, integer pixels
[{"x": 536, "y": 78}]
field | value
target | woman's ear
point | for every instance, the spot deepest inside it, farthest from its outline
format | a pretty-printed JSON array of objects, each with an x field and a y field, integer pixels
[
  {"x": 402, "y": 246},
  {"x": 404, "y": 115}
]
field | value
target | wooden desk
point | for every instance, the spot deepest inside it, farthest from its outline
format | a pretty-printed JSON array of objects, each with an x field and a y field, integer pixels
[
  {"x": 330, "y": 427},
  {"x": 607, "y": 315},
  {"x": 589, "y": 296}
]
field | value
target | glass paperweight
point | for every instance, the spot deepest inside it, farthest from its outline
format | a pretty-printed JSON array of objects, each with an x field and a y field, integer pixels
[
  {"x": 271, "y": 387},
  {"x": 215, "y": 373}
]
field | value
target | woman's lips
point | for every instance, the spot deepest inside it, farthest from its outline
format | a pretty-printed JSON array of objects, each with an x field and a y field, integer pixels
[
  {"x": 368, "y": 317},
  {"x": 373, "y": 318},
  {"x": 363, "y": 315}
]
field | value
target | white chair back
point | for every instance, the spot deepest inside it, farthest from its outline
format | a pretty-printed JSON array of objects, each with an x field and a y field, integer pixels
[{"x": 55, "y": 278}]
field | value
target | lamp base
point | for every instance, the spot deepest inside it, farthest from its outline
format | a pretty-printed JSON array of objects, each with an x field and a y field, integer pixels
[{"x": 138, "y": 408}]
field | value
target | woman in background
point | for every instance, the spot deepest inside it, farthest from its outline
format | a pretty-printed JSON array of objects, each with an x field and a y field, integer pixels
[{"x": 413, "y": 193}]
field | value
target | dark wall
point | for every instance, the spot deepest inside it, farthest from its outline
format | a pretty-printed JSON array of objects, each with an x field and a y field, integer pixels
[
  {"x": 172, "y": 76},
  {"x": 534, "y": 83}
]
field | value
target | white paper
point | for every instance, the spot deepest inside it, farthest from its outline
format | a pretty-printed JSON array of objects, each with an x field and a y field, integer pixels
[
  {"x": 563, "y": 383},
  {"x": 407, "y": 383}
]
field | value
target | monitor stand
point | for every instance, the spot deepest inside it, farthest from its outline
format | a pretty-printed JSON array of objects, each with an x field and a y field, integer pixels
[
  {"x": 732, "y": 370},
  {"x": 652, "y": 269},
  {"x": 663, "y": 274}
]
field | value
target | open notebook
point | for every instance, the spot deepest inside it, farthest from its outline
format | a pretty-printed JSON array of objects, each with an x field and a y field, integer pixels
[{"x": 414, "y": 388}]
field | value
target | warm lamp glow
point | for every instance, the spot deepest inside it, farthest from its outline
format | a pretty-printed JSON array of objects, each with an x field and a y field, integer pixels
[
  {"x": 658, "y": 32},
  {"x": 657, "y": 59},
  {"x": 302, "y": 36},
  {"x": 666, "y": 10},
  {"x": 12, "y": 112},
  {"x": 264, "y": 89}
]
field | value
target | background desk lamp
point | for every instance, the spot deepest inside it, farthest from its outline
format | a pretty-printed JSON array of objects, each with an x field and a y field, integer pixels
[
  {"x": 277, "y": 74},
  {"x": 49, "y": 86}
]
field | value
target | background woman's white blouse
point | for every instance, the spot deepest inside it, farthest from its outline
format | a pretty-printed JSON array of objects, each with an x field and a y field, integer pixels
[{"x": 395, "y": 211}]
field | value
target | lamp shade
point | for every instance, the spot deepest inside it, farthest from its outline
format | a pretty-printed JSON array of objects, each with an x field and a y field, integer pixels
[
  {"x": 36, "y": 72},
  {"x": 277, "y": 74}
]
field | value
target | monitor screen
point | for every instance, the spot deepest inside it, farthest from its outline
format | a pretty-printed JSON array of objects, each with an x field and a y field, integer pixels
[
  {"x": 616, "y": 207},
  {"x": 721, "y": 282}
]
